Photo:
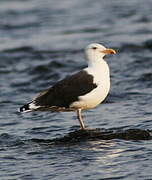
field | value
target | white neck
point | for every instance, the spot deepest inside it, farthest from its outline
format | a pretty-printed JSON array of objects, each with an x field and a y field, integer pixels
[
  {"x": 97, "y": 63},
  {"x": 99, "y": 68}
]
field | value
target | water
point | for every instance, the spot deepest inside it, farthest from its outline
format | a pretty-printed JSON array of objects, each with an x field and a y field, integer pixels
[{"x": 40, "y": 43}]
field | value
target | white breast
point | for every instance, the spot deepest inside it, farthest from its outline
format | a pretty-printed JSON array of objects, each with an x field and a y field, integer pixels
[{"x": 96, "y": 96}]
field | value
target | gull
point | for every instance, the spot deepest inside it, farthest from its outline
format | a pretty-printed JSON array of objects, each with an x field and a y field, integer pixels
[{"x": 81, "y": 91}]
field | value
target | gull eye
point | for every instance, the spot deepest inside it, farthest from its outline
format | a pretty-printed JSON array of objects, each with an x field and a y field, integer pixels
[{"x": 94, "y": 48}]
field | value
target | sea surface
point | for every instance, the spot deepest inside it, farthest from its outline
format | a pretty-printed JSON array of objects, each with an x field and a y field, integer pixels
[{"x": 43, "y": 41}]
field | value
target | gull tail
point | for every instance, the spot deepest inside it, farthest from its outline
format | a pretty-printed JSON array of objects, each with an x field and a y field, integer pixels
[{"x": 28, "y": 107}]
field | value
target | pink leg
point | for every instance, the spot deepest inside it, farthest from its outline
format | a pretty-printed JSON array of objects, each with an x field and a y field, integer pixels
[{"x": 80, "y": 119}]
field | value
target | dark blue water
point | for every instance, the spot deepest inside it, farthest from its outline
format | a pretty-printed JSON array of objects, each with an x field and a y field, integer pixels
[{"x": 40, "y": 43}]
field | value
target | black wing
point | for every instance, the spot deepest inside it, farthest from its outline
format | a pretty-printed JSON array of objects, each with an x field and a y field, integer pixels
[{"x": 66, "y": 91}]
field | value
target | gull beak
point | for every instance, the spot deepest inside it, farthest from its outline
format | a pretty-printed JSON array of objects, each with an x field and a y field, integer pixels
[{"x": 108, "y": 51}]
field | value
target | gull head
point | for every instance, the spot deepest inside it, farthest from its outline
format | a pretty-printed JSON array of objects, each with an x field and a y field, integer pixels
[{"x": 97, "y": 51}]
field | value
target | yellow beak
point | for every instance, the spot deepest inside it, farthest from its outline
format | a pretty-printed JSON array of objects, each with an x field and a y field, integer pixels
[{"x": 108, "y": 51}]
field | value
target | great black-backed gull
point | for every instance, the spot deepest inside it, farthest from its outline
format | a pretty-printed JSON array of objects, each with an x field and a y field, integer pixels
[{"x": 83, "y": 90}]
